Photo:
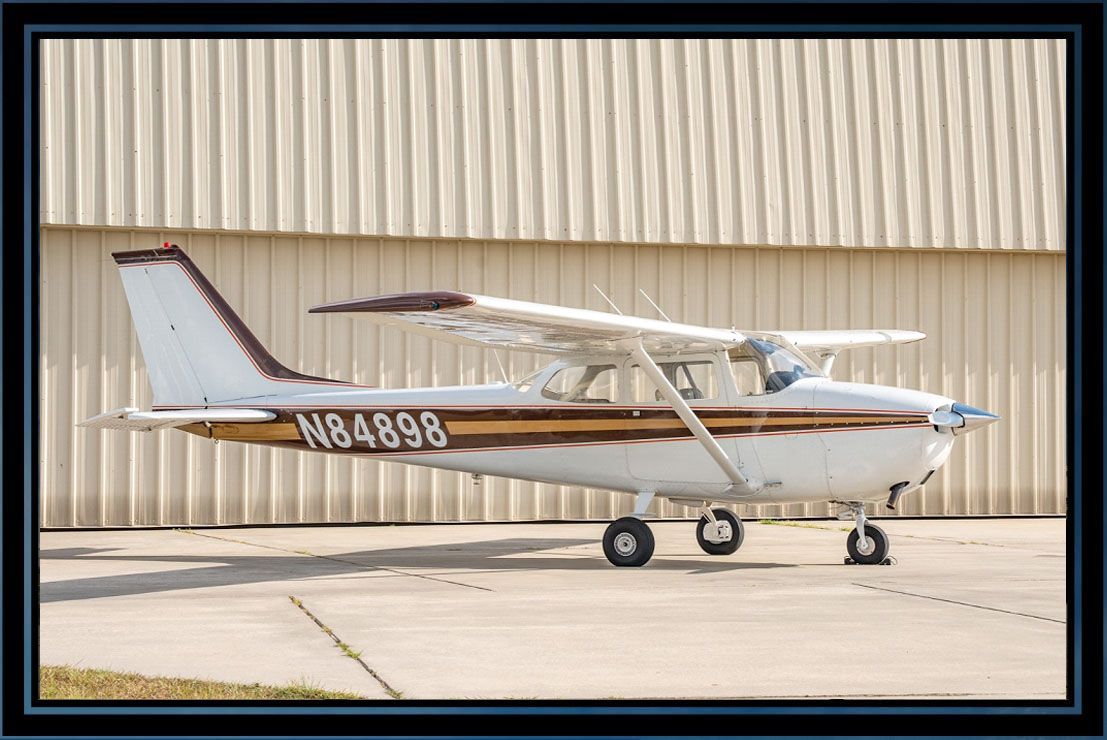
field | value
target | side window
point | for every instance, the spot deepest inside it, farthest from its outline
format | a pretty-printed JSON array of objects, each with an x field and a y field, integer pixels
[
  {"x": 748, "y": 370},
  {"x": 747, "y": 376},
  {"x": 582, "y": 384},
  {"x": 694, "y": 380}
]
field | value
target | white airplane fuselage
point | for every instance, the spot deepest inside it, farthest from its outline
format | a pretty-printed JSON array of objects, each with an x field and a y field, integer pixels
[{"x": 815, "y": 440}]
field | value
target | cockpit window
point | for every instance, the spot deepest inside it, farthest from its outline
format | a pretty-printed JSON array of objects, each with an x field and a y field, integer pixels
[
  {"x": 748, "y": 377},
  {"x": 761, "y": 366},
  {"x": 582, "y": 384}
]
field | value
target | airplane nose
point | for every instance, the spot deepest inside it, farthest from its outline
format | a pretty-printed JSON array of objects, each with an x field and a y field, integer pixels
[{"x": 973, "y": 418}]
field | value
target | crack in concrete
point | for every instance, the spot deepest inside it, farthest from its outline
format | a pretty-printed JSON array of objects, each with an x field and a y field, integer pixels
[
  {"x": 309, "y": 554},
  {"x": 346, "y": 650},
  {"x": 961, "y": 603}
]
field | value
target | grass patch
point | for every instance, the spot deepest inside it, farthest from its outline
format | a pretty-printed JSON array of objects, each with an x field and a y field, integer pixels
[
  {"x": 805, "y": 525},
  {"x": 66, "y": 682},
  {"x": 349, "y": 651}
]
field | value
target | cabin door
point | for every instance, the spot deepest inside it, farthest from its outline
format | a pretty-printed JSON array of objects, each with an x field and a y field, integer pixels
[{"x": 680, "y": 458}]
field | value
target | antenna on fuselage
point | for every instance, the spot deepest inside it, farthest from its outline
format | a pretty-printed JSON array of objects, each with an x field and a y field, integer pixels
[
  {"x": 609, "y": 301},
  {"x": 657, "y": 307}
]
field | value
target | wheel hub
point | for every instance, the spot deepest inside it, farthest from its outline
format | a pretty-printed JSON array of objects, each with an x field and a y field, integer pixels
[
  {"x": 625, "y": 544},
  {"x": 718, "y": 533},
  {"x": 866, "y": 545}
]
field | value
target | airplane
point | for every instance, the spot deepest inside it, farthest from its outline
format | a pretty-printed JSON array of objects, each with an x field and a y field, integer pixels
[{"x": 701, "y": 416}]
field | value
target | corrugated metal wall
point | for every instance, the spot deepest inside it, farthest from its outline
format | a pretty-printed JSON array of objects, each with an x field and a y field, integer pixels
[
  {"x": 995, "y": 319},
  {"x": 800, "y": 142}
]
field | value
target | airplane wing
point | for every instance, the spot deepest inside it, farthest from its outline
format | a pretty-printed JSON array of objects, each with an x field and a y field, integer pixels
[
  {"x": 825, "y": 345},
  {"x": 134, "y": 420},
  {"x": 822, "y": 342},
  {"x": 468, "y": 318}
]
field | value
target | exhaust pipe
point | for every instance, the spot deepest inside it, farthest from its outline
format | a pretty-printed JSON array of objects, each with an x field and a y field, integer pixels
[{"x": 893, "y": 497}]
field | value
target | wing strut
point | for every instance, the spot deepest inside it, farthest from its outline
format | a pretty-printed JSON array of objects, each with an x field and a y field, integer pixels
[{"x": 741, "y": 484}]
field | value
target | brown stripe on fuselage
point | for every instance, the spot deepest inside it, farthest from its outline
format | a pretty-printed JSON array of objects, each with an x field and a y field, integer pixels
[{"x": 498, "y": 427}]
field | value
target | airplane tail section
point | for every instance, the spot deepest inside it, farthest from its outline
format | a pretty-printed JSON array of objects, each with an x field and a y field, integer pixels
[{"x": 197, "y": 350}]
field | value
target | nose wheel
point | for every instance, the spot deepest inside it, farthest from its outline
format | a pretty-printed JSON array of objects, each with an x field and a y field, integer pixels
[
  {"x": 719, "y": 531},
  {"x": 628, "y": 542}
]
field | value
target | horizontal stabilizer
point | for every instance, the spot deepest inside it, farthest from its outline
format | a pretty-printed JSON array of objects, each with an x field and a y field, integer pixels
[{"x": 134, "y": 420}]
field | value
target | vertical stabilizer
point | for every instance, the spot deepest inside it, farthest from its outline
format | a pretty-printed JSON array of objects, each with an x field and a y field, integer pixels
[{"x": 197, "y": 350}]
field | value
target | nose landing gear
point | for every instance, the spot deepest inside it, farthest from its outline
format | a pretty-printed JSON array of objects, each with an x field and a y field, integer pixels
[{"x": 872, "y": 547}]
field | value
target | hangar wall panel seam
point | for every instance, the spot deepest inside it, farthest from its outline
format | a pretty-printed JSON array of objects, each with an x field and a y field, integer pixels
[
  {"x": 995, "y": 320},
  {"x": 871, "y": 142}
]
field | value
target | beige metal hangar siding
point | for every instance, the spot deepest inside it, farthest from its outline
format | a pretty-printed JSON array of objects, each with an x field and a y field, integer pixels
[
  {"x": 938, "y": 143},
  {"x": 793, "y": 184}
]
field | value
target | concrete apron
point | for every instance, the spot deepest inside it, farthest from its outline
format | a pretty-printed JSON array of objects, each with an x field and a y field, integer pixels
[{"x": 974, "y": 608}]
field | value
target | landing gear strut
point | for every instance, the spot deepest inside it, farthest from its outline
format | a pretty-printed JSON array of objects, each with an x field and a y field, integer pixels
[{"x": 871, "y": 548}]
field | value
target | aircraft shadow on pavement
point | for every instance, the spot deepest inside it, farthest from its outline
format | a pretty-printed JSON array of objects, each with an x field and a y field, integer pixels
[{"x": 448, "y": 561}]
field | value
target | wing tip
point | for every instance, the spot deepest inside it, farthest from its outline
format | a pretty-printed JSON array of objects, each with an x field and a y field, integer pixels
[
  {"x": 438, "y": 300},
  {"x": 167, "y": 252}
]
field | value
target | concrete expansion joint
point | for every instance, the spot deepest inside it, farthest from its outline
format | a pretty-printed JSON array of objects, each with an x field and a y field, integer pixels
[
  {"x": 349, "y": 652},
  {"x": 960, "y": 603},
  {"x": 309, "y": 554}
]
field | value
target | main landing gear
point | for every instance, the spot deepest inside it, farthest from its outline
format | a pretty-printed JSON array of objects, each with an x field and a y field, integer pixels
[
  {"x": 719, "y": 531},
  {"x": 872, "y": 549},
  {"x": 628, "y": 542}
]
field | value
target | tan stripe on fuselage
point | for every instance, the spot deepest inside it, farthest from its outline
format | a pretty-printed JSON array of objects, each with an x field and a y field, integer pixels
[
  {"x": 508, "y": 426},
  {"x": 256, "y": 432}
]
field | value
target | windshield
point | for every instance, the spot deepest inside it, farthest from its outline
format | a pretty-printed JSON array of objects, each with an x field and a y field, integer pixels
[{"x": 781, "y": 365}]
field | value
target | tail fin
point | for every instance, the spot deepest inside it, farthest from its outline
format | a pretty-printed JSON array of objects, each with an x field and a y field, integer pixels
[{"x": 197, "y": 350}]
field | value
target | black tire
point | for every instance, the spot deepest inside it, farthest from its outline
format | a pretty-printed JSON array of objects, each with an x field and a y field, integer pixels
[
  {"x": 628, "y": 542},
  {"x": 879, "y": 553},
  {"x": 738, "y": 533}
]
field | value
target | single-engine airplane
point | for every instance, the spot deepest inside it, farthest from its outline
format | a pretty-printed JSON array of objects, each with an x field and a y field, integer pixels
[{"x": 648, "y": 407}]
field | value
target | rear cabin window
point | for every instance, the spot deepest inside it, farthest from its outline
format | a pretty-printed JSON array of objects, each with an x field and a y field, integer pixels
[
  {"x": 582, "y": 384},
  {"x": 693, "y": 379}
]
